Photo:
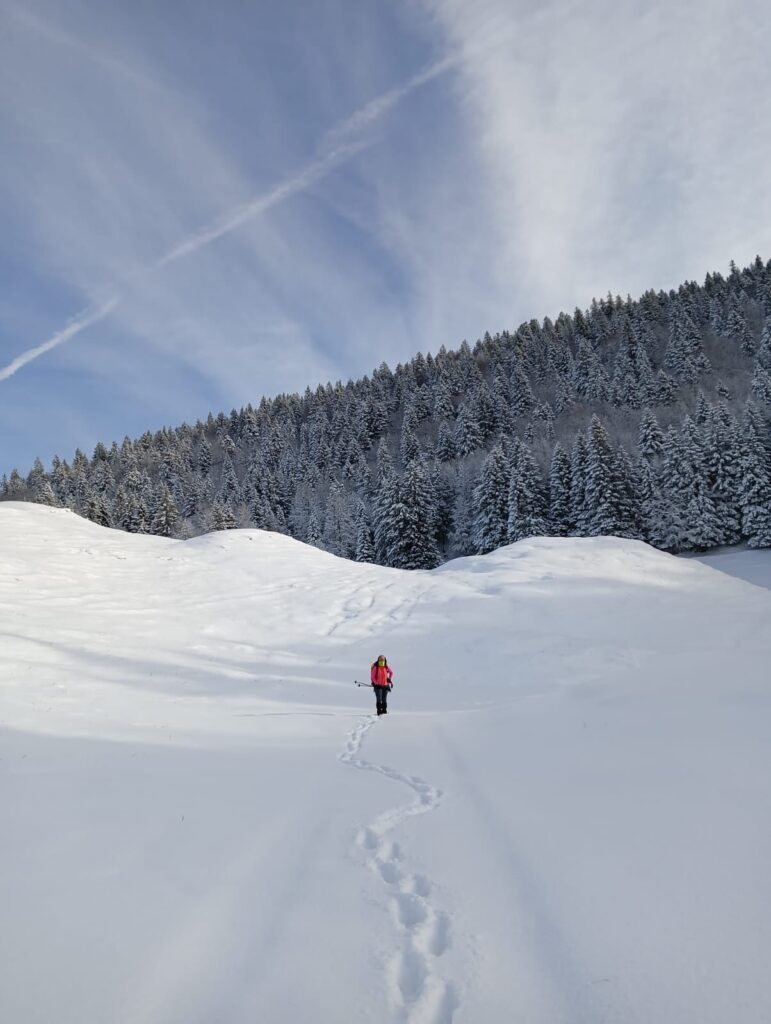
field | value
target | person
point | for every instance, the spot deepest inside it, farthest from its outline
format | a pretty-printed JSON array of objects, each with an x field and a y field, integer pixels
[{"x": 382, "y": 683}]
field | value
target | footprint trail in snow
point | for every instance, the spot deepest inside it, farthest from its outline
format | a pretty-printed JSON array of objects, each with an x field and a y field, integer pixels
[{"x": 419, "y": 994}]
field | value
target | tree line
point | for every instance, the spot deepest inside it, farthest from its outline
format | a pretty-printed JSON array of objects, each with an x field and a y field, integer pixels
[{"x": 644, "y": 418}]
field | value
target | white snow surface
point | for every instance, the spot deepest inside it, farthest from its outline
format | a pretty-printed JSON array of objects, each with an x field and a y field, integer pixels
[{"x": 563, "y": 818}]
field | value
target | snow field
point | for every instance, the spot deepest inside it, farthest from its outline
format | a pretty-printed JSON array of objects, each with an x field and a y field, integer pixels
[{"x": 564, "y": 817}]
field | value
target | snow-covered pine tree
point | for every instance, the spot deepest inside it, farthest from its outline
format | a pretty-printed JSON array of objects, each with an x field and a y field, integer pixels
[
  {"x": 384, "y": 512},
  {"x": 522, "y": 399},
  {"x": 738, "y": 330},
  {"x": 365, "y": 548},
  {"x": 655, "y": 512},
  {"x": 339, "y": 530},
  {"x": 578, "y": 460},
  {"x": 414, "y": 545},
  {"x": 603, "y": 513},
  {"x": 761, "y": 385},
  {"x": 559, "y": 492},
  {"x": 703, "y": 528},
  {"x": 763, "y": 357},
  {"x": 721, "y": 455},
  {"x": 491, "y": 502},
  {"x": 96, "y": 510},
  {"x": 166, "y": 513},
  {"x": 222, "y": 516},
  {"x": 313, "y": 530},
  {"x": 461, "y": 541},
  {"x": 409, "y": 447},
  {"x": 44, "y": 494},
  {"x": 468, "y": 435},
  {"x": 650, "y": 438},
  {"x": 527, "y": 504},
  {"x": 445, "y": 445},
  {"x": 754, "y": 489}
]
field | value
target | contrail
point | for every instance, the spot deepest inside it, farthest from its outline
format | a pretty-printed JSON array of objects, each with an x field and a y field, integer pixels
[
  {"x": 79, "y": 323},
  {"x": 333, "y": 151},
  {"x": 232, "y": 221},
  {"x": 371, "y": 111}
]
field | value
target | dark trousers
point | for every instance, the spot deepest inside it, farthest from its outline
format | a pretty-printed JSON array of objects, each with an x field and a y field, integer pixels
[{"x": 381, "y": 696}]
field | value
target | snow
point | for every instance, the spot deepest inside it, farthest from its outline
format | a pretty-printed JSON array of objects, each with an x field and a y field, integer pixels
[
  {"x": 752, "y": 566},
  {"x": 564, "y": 816}
]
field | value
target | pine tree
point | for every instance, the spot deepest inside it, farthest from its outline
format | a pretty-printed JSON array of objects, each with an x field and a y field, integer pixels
[
  {"x": 526, "y": 501},
  {"x": 738, "y": 330},
  {"x": 222, "y": 516},
  {"x": 702, "y": 523},
  {"x": 339, "y": 529},
  {"x": 666, "y": 389},
  {"x": 385, "y": 526},
  {"x": 313, "y": 532},
  {"x": 656, "y": 514},
  {"x": 754, "y": 419},
  {"x": 365, "y": 549},
  {"x": 522, "y": 400},
  {"x": 761, "y": 385},
  {"x": 720, "y": 448},
  {"x": 443, "y": 407},
  {"x": 443, "y": 485},
  {"x": 413, "y": 519},
  {"x": 763, "y": 358},
  {"x": 578, "y": 461},
  {"x": 491, "y": 502},
  {"x": 204, "y": 456},
  {"x": 650, "y": 437},
  {"x": 409, "y": 447},
  {"x": 96, "y": 510},
  {"x": 445, "y": 445},
  {"x": 603, "y": 500},
  {"x": 755, "y": 491},
  {"x": 166, "y": 514},
  {"x": 559, "y": 493},
  {"x": 461, "y": 539},
  {"x": 137, "y": 517},
  {"x": 468, "y": 436},
  {"x": 44, "y": 494}
]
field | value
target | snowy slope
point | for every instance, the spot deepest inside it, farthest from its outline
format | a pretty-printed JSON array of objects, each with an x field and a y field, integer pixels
[
  {"x": 742, "y": 562},
  {"x": 563, "y": 818}
]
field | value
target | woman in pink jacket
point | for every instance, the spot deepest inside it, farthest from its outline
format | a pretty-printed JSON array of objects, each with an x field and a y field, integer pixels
[{"x": 382, "y": 682}]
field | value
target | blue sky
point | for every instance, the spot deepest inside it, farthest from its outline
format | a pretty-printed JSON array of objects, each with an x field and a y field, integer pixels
[{"x": 201, "y": 204}]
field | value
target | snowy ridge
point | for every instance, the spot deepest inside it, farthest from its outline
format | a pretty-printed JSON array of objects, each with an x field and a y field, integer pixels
[{"x": 563, "y": 818}]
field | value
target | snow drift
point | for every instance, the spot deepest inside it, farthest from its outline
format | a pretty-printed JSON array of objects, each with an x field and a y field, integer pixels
[{"x": 563, "y": 818}]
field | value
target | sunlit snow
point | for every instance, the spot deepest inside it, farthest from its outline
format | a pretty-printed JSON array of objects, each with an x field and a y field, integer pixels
[{"x": 563, "y": 818}]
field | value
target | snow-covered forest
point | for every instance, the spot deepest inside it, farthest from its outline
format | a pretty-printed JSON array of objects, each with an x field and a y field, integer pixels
[{"x": 643, "y": 419}]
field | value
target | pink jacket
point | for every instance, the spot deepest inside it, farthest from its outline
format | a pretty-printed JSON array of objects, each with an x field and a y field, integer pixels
[{"x": 380, "y": 676}]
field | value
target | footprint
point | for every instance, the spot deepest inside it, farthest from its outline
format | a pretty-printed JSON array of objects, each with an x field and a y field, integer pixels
[
  {"x": 368, "y": 839},
  {"x": 410, "y": 972},
  {"x": 410, "y": 910},
  {"x": 437, "y": 935},
  {"x": 419, "y": 995},
  {"x": 420, "y": 885},
  {"x": 390, "y": 872},
  {"x": 438, "y": 1005}
]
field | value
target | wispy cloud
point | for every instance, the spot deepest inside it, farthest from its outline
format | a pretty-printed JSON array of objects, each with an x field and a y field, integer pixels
[
  {"x": 619, "y": 148},
  {"x": 189, "y": 185},
  {"x": 338, "y": 145}
]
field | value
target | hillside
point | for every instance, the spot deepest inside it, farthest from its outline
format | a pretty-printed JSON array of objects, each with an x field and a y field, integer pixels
[
  {"x": 645, "y": 419},
  {"x": 563, "y": 817}
]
